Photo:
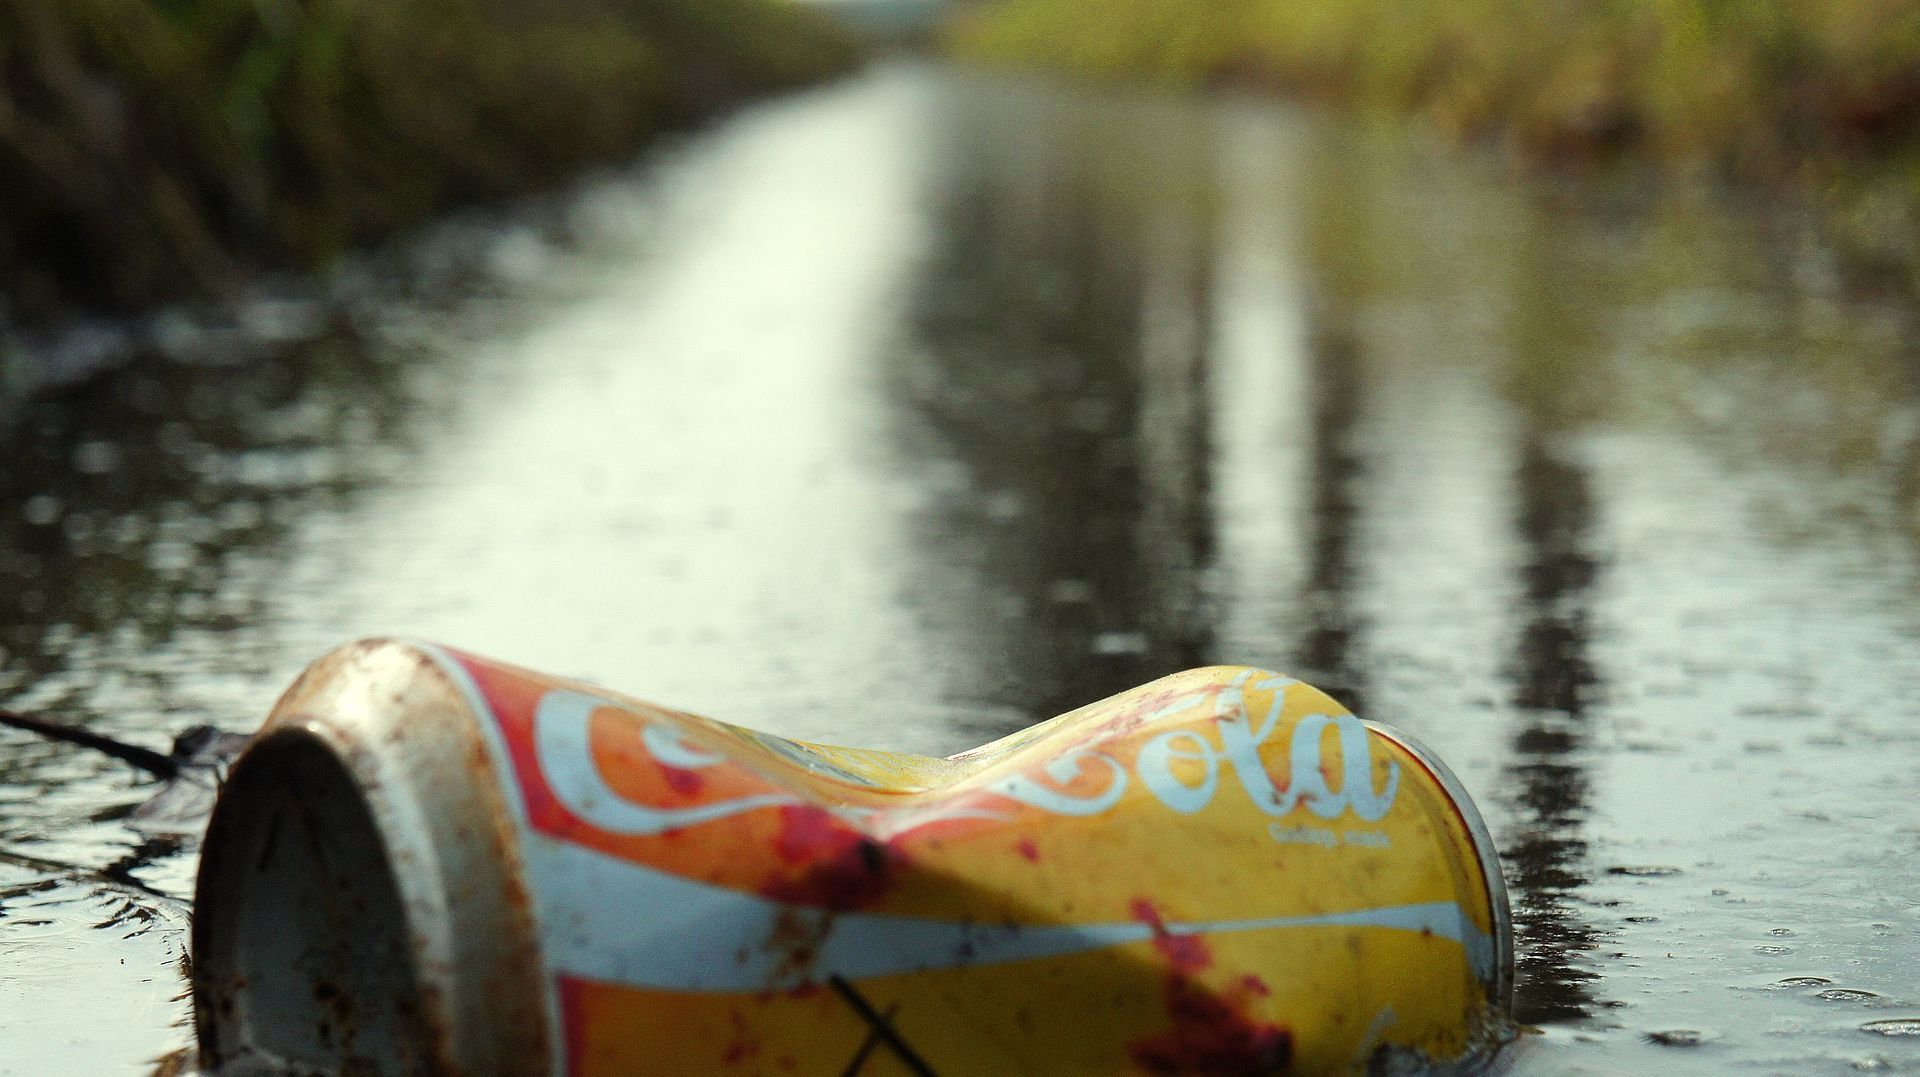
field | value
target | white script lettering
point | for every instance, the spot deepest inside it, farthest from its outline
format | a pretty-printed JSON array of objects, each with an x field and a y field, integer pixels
[{"x": 560, "y": 737}]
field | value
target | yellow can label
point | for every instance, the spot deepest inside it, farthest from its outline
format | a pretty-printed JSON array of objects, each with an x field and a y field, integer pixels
[{"x": 1219, "y": 872}]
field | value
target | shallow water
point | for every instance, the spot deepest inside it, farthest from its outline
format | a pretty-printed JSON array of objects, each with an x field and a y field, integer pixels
[{"x": 913, "y": 410}]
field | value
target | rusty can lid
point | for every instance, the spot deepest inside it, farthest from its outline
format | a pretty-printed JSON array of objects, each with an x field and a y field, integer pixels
[{"x": 359, "y": 906}]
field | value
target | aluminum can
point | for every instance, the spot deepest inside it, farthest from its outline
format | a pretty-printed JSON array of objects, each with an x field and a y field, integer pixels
[{"x": 428, "y": 862}]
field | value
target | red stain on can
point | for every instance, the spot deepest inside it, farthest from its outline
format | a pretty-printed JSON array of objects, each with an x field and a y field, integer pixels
[
  {"x": 682, "y": 781},
  {"x": 570, "y": 994},
  {"x": 1025, "y": 847},
  {"x": 832, "y": 865},
  {"x": 808, "y": 834},
  {"x": 1185, "y": 953},
  {"x": 1210, "y": 1035}
]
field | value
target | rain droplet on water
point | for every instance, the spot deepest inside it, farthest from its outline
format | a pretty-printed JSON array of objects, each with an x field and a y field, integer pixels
[
  {"x": 1644, "y": 871},
  {"x": 1898, "y": 1026},
  {"x": 1798, "y": 981},
  {"x": 1773, "y": 951},
  {"x": 1846, "y": 994},
  {"x": 1676, "y": 1037}
]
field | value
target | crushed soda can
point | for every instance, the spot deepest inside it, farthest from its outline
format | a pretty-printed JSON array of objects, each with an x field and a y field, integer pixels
[{"x": 428, "y": 862}]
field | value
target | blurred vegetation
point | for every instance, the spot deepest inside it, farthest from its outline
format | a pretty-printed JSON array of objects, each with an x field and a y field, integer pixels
[
  {"x": 1820, "y": 95},
  {"x": 153, "y": 149}
]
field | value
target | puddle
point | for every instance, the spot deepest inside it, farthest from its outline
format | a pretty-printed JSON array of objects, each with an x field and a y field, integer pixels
[{"x": 911, "y": 411}]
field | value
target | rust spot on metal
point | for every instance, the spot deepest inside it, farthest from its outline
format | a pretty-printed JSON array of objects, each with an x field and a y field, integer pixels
[
  {"x": 743, "y": 1046},
  {"x": 796, "y": 938}
]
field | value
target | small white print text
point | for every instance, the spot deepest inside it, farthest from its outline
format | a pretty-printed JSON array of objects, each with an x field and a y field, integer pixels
[{"x": 1327, "y": 837}]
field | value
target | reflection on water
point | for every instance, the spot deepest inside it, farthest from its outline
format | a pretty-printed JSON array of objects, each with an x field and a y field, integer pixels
[
  {"x": 1328, "y": 603},
  {"x": 1055, "y": 373},
  {"x": 912, "y": 411},
  {"x": 146, "y": 526},
  {"x": 1553, "y": 680}
]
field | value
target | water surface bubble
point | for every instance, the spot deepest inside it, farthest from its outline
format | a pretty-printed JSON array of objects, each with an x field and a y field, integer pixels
[{"x": 1846, "y": 994}]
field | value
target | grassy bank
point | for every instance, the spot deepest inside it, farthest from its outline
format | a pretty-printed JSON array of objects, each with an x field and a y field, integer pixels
[
  {"x": 1821, "y": 95},
  {"x": 155, "y": 149}
]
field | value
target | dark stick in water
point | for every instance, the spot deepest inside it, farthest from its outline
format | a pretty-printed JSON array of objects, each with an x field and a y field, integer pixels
[
  {"x": 160, "y": 766},
  {"x": 881, "y": 1025}
]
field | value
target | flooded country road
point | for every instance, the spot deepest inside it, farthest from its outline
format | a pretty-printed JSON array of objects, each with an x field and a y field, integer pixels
[{"x": 927, "y": 405}]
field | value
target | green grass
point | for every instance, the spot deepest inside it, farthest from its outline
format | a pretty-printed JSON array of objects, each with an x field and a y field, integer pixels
[
  {"x": 1757, "y": 87},
  {"x": 1734, "y": 79},
  {"x": 1823, "y": 95},
  {"x": 151, "y": 149}
]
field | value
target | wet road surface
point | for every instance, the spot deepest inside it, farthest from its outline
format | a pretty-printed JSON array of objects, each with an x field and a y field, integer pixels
[{"x": 916, "y": 409}]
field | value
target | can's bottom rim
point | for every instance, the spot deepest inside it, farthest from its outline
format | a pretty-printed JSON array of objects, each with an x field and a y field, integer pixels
[{"x": 1484, "y": 849}]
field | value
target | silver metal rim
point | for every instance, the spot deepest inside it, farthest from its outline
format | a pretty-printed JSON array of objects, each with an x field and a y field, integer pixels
[
  {"x": 400, "y": 732},
  {"x": 1483, "y": 847}
]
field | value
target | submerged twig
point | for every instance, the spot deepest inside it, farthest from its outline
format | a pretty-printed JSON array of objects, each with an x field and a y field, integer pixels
[
  {"x": 115, "y": 876},
  {"x": 867, "y": 1045},
  {"x": 881, "y": 1026},
  {"x": 154, "y": 763}
]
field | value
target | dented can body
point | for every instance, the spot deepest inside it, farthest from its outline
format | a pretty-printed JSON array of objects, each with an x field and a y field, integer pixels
[{"x": 428, "y": 862}]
